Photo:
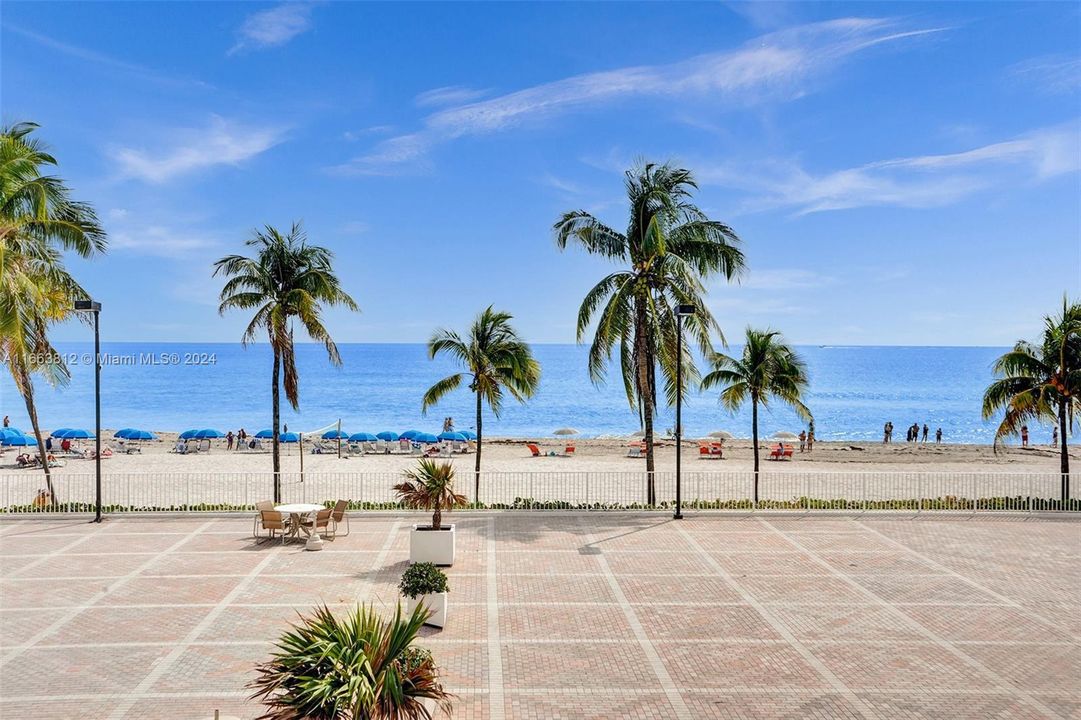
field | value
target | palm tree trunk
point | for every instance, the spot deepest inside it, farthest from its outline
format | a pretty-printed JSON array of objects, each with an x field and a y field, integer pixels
[
  {"x": 1064, "y": 453},
  {"x": 437, "y": 518},
  {"x": 275, "y": 395},
  {"x": 476, "y": 472},
  {"x": 754, "y": 443},
  {"x": 645, "y": 395},
  {"x": 28, "y": 397}
]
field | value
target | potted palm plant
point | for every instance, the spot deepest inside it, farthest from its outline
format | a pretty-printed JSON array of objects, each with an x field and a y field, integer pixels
[
  {"x": 430, "y": 486},
  {"x": 358, "y": 667},
  {"x": 425, "y": 585}
]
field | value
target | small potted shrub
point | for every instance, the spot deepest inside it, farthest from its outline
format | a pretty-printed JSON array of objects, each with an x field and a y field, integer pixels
[
  {"x": 426, "y": 585},
  {"x": 430, "y": 486}
]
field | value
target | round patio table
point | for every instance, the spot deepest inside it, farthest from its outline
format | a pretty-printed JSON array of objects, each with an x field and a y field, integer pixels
[{"x": 297, "y": 512}]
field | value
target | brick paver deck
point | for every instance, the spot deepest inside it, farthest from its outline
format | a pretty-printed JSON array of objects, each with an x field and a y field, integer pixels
[{"x": 567, "y": 615}]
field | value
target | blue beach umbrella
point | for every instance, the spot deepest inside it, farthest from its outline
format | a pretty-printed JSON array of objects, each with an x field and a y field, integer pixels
[
  {"x": 9, "y": 432},
  {"x": 410, "y": 434},
  {"x": 289, "y": 437},
  {"x": 362, "y": 437},
  {"x": 335, "y": 434},
  {"x": 387, "y": 435},
  {"x": 74, "y": 434},
  {"x": 18, "y": 440},
  {"x": 455, "y": 436},
  {"x": 57, "y": 433},
  {"x": 135, "y": 434},
  {"x": 208, "y": 434},
  {"x": 425, "y": 438},
  {"x": 188, "y": 434},
  {"x": 265, "y": 434},
  {"x": 118, "y": 434},
  {"x": 469, "y": 434}
]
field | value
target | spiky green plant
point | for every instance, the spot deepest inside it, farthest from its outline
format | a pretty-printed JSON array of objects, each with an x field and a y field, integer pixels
[
  {"x": 671, "y": 247},
  {"x": 430, "y": 486},
  {"x": 286, "y": 278},
  {"x": 357, "y": 667},
  {"x": 768, "y": 368},
  {"x": 495, "y": 359}
]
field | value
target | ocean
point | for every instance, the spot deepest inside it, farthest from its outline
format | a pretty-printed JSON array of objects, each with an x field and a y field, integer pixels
[{"x": 173, "y": 387}]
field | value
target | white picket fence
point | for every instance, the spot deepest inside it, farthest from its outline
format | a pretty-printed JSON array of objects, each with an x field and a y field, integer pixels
[{"x": 873, "y": 490}]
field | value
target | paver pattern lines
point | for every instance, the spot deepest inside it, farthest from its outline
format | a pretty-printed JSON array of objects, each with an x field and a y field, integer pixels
[{"x": 575, "y": 615}]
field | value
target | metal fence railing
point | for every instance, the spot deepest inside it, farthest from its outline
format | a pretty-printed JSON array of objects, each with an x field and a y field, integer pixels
[{"x": 25, "y": 491}]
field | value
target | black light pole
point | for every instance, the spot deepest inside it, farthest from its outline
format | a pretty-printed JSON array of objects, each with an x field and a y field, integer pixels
[
  {"x": 682, "y": 311},
  {"x": 95, "y": 307}
]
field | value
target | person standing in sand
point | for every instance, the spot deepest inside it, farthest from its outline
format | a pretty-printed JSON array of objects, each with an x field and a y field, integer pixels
[
  {"x": 1054, "y": 436},
  {"x": 802, "y": 440},
  {"x": 886, "y": 433},
  {"x": 229, "y": 440},
  {"x": 1024, "y": 436},
  {"x": 925, "y": 429},
  {"x": 938, "y": 436},
  {"x": 810, "y": 439}
]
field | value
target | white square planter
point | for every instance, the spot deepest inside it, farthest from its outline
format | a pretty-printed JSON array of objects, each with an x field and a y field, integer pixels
[
  {"x": 435, "y": 602},
  {"x": 434, "y": 546}
]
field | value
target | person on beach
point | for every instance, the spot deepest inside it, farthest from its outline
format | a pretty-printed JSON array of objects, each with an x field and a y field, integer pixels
[
  {"x": 810, "y": 439},
  {"x": 802, "y": 440},
  {"x": 1024, "y": 436},
  {"x": 1054, "y": 436},
  {"x": 229, "y": 440},
  {"x": 7, "y": 421},
  {"x": 938, "y": 436},
  {"x": 285, "y": 428},
  {"x": 925, "y": 433}
]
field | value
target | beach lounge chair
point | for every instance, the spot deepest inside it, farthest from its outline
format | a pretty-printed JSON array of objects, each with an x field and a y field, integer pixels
[
  {"x": 635, "y": 451},
  {"x": 339, "y": 515},
  {"x": 273, "y": 522},
  {"x": 370, "y": 447},
  {"x": 445, "y": 451},
  {"x": 535, "y": 450},
  {"x": 470, "y": 447},
  {"x": 404, "y": 446}
]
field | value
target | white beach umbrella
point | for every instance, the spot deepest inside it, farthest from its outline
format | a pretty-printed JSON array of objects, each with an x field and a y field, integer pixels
[
  {"x": 639, "y": 434},
  {"x": 565, "y": 431},
  {"x": 722, "y": 434},
  {"x": 785, "y": 435}
]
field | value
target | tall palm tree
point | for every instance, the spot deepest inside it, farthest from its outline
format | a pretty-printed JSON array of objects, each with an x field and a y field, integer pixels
[
  {"x": 1041, "y": 381},
  {"x": 286, "y": 278},
  {"x": 358, "y": 667},
  {"x": 494, "y": 359},
  {"x": 767, "y": 368},
  {"x": 38, "y": 223},
  {"x": 671, "y": 247}
]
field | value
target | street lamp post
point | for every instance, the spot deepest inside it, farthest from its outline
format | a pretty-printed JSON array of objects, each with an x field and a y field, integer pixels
[
  {"x": 682, "y": 311},
  {"x": 95, "y": 307}
]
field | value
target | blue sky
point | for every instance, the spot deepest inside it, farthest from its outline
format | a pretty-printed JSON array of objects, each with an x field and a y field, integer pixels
[{"x": 899, "y": 173}]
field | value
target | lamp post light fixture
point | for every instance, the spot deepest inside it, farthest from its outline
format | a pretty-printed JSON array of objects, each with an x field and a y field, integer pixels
[
  {"x": 682, "y": 311},
  {"x": 95, "y": 307}
]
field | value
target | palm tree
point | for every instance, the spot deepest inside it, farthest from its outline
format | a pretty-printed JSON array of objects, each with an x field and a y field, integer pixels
[
  {"x": 767, "y": 368},
  {"x": 495, "y": 359},
  {"x": 431, "y": 487},
  {"x": 672, "y": 247},
  {"x": 1041, "y": 382},
  {"x": 286, "y": 278},
  {"x": 360, "y": 667},
  {"x": 38, "y": 223}
]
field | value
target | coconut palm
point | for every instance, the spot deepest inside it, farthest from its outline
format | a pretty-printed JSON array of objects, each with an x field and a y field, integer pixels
[
  {"x": 495, "y": 359},
  {"x": 430, "y": 487},
  {"x": 38, "y": 223},
  {"x": 671, "y": 247},
  {"x": 1041, "y": 381},
  {"x": 767, "y": 369},
  {"x": 358, "y": 667},
  {"x": 286, "y": 278}
]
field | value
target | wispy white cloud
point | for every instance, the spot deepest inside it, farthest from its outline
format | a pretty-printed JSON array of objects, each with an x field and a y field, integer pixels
[
  {"x": 94, "y": 57},
  {"x": 449, "y": 95},
  {"x": 1055, "y": 74},
  {"x": 920, "y": 181},
  {"x": 353, "y": 135},
  {"x": 355, "y": 227},
  {"x": 221, "y": 142},
  {"x": 778, "y": 66},
  {"x": 273, "y": 27},
  {"x": 784, "y": 279},
  {"x": 161, "y": 241}
]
